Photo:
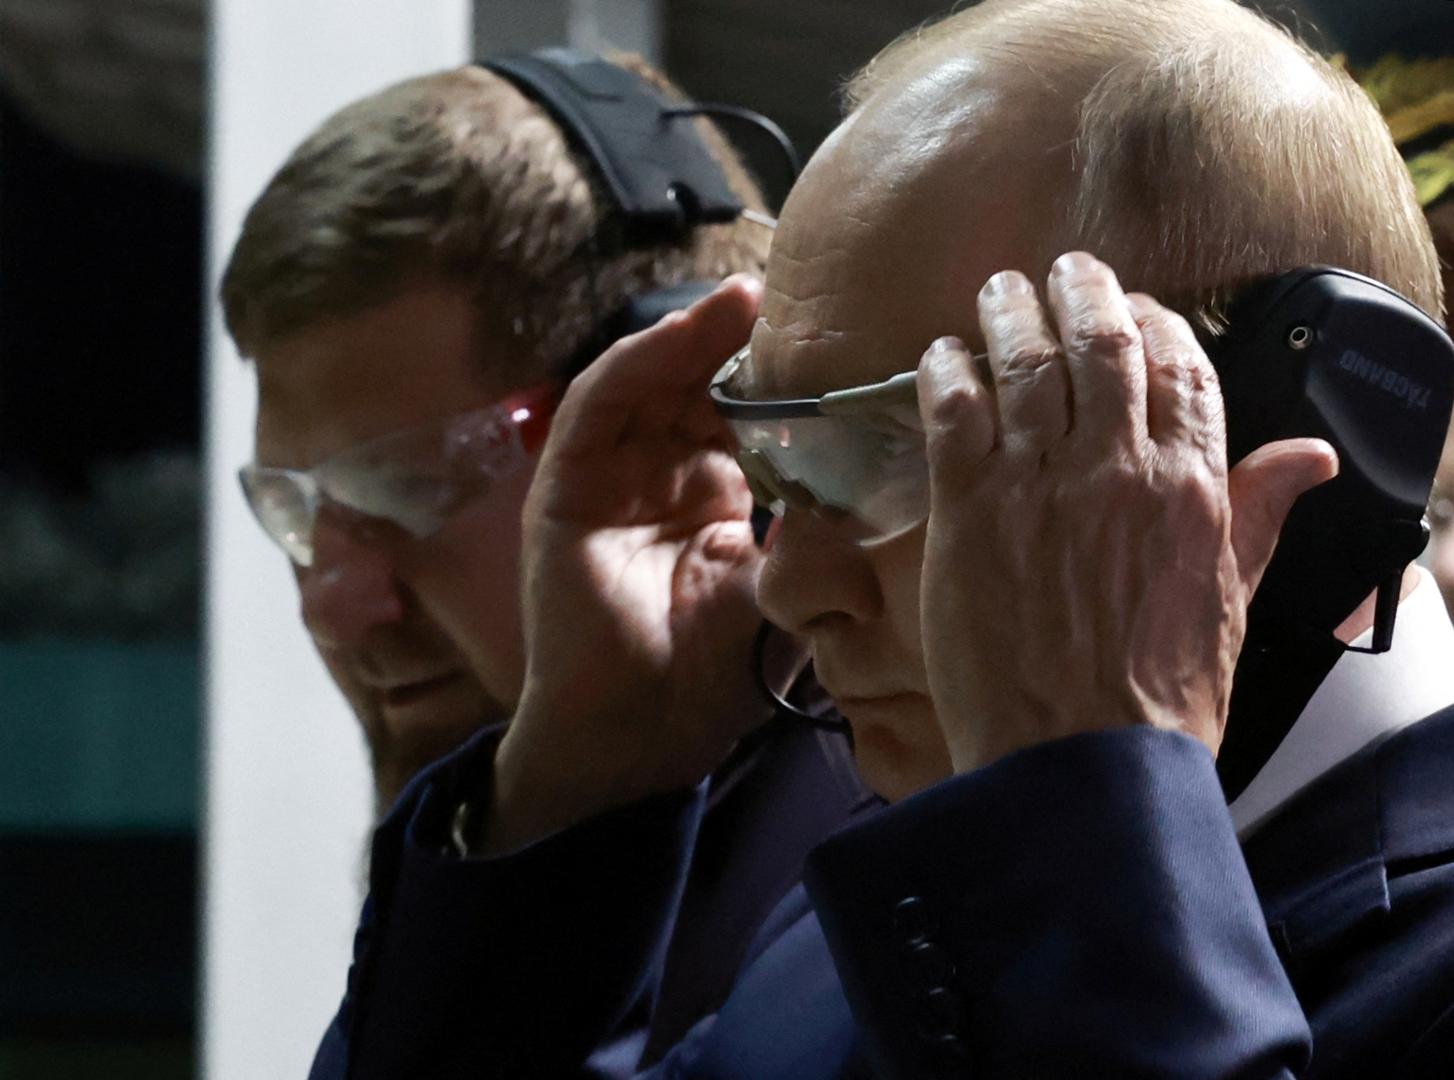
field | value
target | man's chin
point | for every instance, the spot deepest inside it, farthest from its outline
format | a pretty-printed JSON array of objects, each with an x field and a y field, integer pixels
[
  {"x": 408, "y": 734},
  {"x": 891, "y": 766}
]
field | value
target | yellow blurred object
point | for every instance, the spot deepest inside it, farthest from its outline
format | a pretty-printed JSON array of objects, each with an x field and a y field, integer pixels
[
  {"x": 1416, "y": 98},
  {"x": 1396, "y": 84},
  {"x": 1433, "y": 173},
  {"x": 1412, "y": 121}
]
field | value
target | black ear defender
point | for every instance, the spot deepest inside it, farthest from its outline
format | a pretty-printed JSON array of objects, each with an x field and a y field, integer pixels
[
  {"x": 658, "y": 175},
  {"x": 1334, "y": 355},
  {"x": 661, "y": 180}
]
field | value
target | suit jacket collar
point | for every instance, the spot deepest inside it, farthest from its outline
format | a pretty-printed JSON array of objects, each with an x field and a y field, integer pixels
[
  {"x": 1364, "y": 698},
  {"x": 1321, "y": 864}
]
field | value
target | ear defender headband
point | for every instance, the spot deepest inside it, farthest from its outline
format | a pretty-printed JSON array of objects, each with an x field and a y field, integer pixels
[
  {"x": 658, "y": 172},
  {"x": 1330, "y": 354},
  {"x": 660, "y": 178}
]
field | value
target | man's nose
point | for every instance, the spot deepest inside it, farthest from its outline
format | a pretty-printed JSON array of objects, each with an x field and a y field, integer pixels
[
  {"x": 814, "y": 576},
  {"x": 351, "y": 587}
]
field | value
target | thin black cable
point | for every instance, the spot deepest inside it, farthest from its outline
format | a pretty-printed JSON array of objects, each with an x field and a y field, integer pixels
[
  {"x": 786, "y": 708},
  {"x": 765, "y": 124}
]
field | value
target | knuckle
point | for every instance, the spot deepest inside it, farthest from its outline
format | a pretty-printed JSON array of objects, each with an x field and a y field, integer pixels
[
  {"x": 1192, "y": 379},
  {"x": 1030, "y": 360},
  {"x": 1099, "y": 337},
  {"x": 1177, "y": 369},
  {"x": 1204, "y": 378},
  {"x": 953, "y": 405},
  {"x": 1200, "y": 492}
]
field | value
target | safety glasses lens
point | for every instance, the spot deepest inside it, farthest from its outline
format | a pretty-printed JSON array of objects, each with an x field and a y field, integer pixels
[
  {"x": 285, "y": 505},
  {"x": 873, "y": 470},
  {"x": 413, "y": 480},
  {"x": 417, "y": 480}
]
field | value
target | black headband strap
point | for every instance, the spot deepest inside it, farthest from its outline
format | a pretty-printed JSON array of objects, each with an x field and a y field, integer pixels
[{"x": 657, "y": 170}]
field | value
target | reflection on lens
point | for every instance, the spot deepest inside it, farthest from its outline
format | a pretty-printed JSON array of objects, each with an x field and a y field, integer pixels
[
  {"x": 284, "y": 508},
  {"x": 872, "y": 470}
]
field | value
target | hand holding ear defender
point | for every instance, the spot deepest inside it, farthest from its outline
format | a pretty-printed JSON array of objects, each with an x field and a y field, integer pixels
[
  {"x": 1316, "y": 353},
  {"x": 657, "y": 177},
  {"x": 1330, "y": 354}
]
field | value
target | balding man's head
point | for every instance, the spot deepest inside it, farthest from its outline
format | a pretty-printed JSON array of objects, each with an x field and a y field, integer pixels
[
  {"x": 1188, "y": 143},
  {"x": 1200, "y": 145}
]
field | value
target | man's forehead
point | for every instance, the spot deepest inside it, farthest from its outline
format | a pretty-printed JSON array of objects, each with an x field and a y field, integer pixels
[
  {"x": 905, "y": 212},
  {"x": 414, "y": 359}
]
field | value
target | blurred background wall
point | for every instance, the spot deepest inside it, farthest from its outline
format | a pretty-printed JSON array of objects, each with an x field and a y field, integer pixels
[
  {"x": 183, "y": 800},
  {"x": 288, "y": 796},
  {"x": 102, "y": 110}
]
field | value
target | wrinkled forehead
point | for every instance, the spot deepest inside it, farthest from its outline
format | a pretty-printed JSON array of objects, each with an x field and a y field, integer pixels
[{"x": 898, "y": 220}]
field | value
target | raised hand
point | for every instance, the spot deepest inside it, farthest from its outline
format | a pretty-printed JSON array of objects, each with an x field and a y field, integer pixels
[
  {"x": 1089, "y": 560},
  {"x": 639, "y": 578}
]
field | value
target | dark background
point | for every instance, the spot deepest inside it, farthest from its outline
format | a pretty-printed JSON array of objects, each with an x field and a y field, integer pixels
[
  {"x": 789, "y": 60},
  {"x": 101, "y": 347}
]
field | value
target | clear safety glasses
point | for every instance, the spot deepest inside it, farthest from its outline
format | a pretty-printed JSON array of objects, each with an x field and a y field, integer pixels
[
  {"x": 856, "y": 455},
  {"x": 413, "y": 480}
]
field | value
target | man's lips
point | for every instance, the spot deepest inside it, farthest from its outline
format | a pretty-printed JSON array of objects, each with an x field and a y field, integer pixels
[
  {"x": 401, "y": 694},
  {"x": 849, "y": 704}
]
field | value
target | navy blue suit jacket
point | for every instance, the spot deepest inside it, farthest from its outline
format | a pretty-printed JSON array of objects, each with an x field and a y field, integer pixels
[
  {"x": 679, "y": 889},
  {"x": 1079, "y": 909}
]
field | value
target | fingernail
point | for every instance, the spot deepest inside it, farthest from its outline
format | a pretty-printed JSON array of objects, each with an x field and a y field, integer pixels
[
  {"x": 1008, "y": 283},
  {"x": 1075, "y": 262},
  {"x": 948, "y": 343}
]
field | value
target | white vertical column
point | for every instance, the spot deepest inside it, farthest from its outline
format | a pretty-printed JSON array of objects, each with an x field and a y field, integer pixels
[
  {"x": 630, "y": 25},
  {"x": 594, "y": 25},
  {"x": 519, "y": 25},
  {"x": 288, "y": 801}
]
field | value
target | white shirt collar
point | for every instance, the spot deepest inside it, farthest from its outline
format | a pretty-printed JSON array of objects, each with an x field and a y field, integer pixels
[{"x": 1364, "y": 698}]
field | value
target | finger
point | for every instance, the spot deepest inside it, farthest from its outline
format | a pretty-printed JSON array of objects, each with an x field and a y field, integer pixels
[
  {"x": 769, "y": 538},
  {"x": 655, "y": 375},
  {"x": 1104, "y": 353},
  {"x": 958, "y": 411},
  {"x": 1262, "y": 490},
  {"x": 1032, "y": 387},
  {"x": 1183, "y": 396}
]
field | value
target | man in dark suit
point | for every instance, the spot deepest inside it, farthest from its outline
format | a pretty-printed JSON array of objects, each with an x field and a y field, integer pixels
[
  {"x": 1033, "y": 637},
  {"x": 419, "y": 279}
]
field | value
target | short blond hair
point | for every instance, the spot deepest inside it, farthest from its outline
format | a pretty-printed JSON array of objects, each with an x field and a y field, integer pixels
[
  {"x": 457, "y": 177},
  {"x": 1210, "y": 148}
]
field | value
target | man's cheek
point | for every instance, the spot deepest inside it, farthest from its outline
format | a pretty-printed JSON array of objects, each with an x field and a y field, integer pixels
[{"x": 900, "y": 572}]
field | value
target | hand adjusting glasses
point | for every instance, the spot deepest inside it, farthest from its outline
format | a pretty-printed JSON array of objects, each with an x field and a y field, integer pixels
[
  {"x": 413, "y": 480},
  {"x": 855, "y": 456}
]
